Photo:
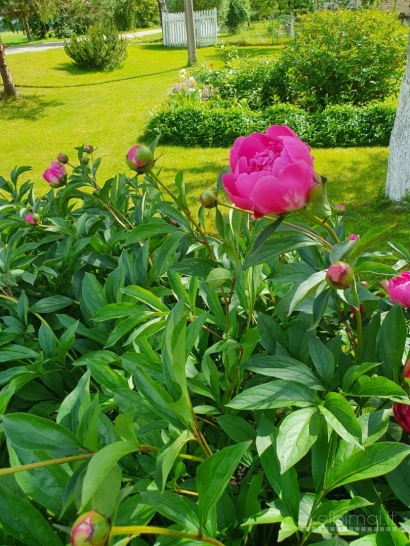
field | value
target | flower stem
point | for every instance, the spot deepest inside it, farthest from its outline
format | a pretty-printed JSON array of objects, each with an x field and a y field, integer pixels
[
  {"x": 359, "y": 331},
  {"x": 41, "y": 464},
  {"x": 147, "y": 530},
  {"x": 187, "y": 213},
  {"x": 319, "y": 222}
]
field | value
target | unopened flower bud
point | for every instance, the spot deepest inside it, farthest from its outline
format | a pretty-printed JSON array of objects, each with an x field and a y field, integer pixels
[
  {"x": 353, "y": 237},
  {"x": 88, "y": 149},
  {"x": 340, "y": 210},
  {"x": 32, "y": 218},
  {"x": 362, "y": 309},
  {"x": 339, "y": 275},
  {"x": 84, "y": 160},
  {"x": 140, "y": 159},
  {"x": 208, "y": 199},
  {"x": 56, "y": 175},
  {"x": 364, "y": 283},
  {"x": 90, "y": 529},
  {"x": 62, "y": 158}
]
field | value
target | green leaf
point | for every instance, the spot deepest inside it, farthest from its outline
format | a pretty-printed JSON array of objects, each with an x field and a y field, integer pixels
[
  {"x": 269, "y": 515},
  {"x": 340, "y": 416},
  {"x": 70, "y": 411},
  {"x": 375, "y": 268},
  {"x": 196, "y": 267},
  {"x": 297, "y": 433},
  {"x": 174, "y": 507},
  {"x": 9, "y": 353},
  {"x": 51, "y": 304},
  {"x": 218, "y": 276},
  {"x": 92, "y": 294},
  {"x": 167, "y": 250},
  {"x": 283, "y": 367},
  {"x": 155, "y": 226},
  {"x": 28, "y": 431},
  {"x": 276, "y": 394},
  {"x": 277, "y": 246},
  {"x": 319, "y": 308},
  {"x": 21, "y": 520},
  {"x": 329, "y": 511},
  {"x": 214, "y": 475},
  {"x": 145, "y": 296},
  {"x": 265, "y": 234},
  {"x": 166, "y": 458},
  {"x": 128, "y": 324},
  {"x": 124, "y": 425},
  {"x": 368, "y": 239},
  {"x": 374, "y": 424},
  {"x": 376, "y": 386},
  {"x": 323, "y": 359},
  {"x": 104, "y": 499},
  {"x": 375, "y": 460},
  {"x": 285, "y": 485},
  {"x": 341, "y": 249},
  {"x": 399, "y": 481},
  {"x": 391, "y": 343},
  {"x": 47, "y": 340},
  {"x": 306, "y": 288},
  {"x": 101, "y": 464},
  {"x": 117, "y": 310},
  {"x": 290, "y": 273},
  {"x": 236, "y": 428},
  {"x": 353, "y": 373}
]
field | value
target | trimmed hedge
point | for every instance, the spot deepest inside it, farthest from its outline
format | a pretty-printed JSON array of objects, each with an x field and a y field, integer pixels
[{"x": 336, "y": 126}]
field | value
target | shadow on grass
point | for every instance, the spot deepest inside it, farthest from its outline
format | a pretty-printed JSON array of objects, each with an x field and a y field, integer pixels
[
  {"x": 63, "y": 67},
  {"x": 29, "y": 107}
]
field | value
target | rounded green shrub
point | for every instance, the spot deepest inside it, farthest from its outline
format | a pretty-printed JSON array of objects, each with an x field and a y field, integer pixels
[{"x": 341, "y": 57}]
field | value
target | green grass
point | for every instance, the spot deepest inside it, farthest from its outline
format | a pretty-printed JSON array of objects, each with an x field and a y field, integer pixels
[{"x": 61, "y": 107}]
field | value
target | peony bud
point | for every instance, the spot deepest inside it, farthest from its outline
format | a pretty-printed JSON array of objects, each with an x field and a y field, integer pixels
[
  {"x": 402, "y": 411},
  {"x": 62, "y": 158},
  {"x": 340, "y": 210},
  {"x": 32, "y": 218},
  {"x": 56, "y": 175},
  {"x": 362, "y": 309},
  {"x": 353, "y": 237},
  {"x": 88, "y": 149},
  {"x": 84, "y": 160},
  {"x": 339, "y": 275},
  {"x": 208, "y": 199},
  {"x": 364, "y": 283},
  {"x": 140, "y": 159},
  {"x": 90, "y": 529}
]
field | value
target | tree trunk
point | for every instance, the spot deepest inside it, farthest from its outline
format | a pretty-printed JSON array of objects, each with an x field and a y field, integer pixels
[
  {"x": 398, "y": 169},
  {"x": 9, "y": 89},
  {"x": 190, "y": 32},
  {"x": 27, "y": 28}
]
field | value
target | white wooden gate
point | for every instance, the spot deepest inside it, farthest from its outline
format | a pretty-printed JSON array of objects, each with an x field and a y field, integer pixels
[{"x": 174, "y": 30}]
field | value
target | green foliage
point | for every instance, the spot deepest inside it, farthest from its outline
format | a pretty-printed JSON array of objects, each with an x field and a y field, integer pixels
[
  {"x": 185, "y": 379},
  {"x": 237, "y": 16},
  {"x": 343, "y": 56},
  {"x": 101, "y": 49},
  {"x": 204, "y": 125},
  {"x": 177, "y": 6}
]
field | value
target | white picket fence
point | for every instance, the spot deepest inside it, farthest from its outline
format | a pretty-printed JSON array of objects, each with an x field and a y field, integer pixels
[{"x": 174, "y": 29}]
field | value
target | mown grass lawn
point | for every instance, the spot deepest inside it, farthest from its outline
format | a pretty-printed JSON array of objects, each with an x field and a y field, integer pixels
[{"x": 61, "y": 107}]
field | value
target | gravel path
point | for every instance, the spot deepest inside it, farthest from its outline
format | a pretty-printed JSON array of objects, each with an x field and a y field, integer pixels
[{"x": 54, "y": 45}]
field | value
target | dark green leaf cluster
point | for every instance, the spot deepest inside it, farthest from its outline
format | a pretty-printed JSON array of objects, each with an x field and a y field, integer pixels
[{"x": 211, "y": 387}]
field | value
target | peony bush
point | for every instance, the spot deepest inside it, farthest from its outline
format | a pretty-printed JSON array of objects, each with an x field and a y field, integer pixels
[{"x": 164, "y": 383}]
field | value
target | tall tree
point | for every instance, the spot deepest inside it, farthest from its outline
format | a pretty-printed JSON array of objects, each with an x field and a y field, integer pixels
[
  {"x": 398, "y": 170},
  {"x": 9, "y": 88}
]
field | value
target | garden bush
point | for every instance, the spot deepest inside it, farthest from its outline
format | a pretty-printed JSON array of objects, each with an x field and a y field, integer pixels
[
  {"x": 101, "y": 49},
  {"x": 204, "y": 124},
  {"x": 233, "y": 388},
  {"x": 343, "y": 56}
]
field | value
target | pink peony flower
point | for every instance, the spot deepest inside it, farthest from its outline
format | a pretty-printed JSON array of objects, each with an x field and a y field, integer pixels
[
  {"x": 56, "y": 175},
  {"x": 32, "y": 218},
  {"x": 271, "y": 173},
  {"x": 339, "y": 275},
  {"x": 399, "y": 289},
  {"x": 353, "y": 237},
  {"x": 90, "y": 529},
  {"x": 402, "y": 411},
  {"x": 140, "y": 159}
]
